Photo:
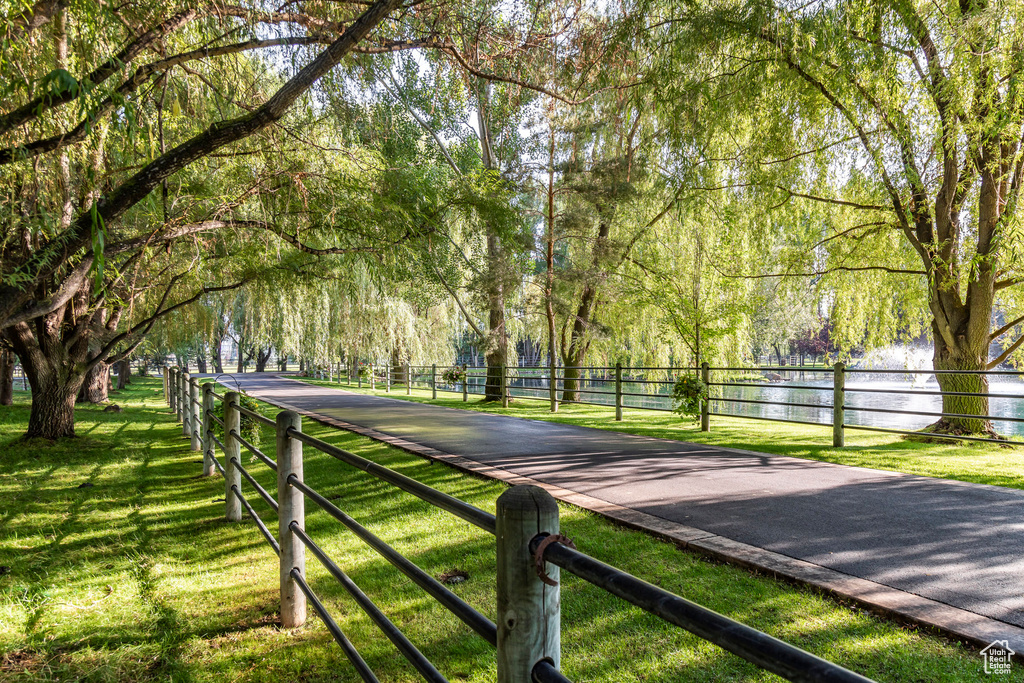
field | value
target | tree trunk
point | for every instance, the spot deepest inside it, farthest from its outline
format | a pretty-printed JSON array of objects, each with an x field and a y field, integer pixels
[
  {"x": 55, "y": 380},
  {"x": 96, "y": 385},
  {"x": 201, "y": 360},
  {"x": 53, "y": 406},
  {"x": 6, "y": 377},
  {"x": 579, "y": 342},
  {"x": 549, "y": 280},
  {"x": 966, "y": 359},
  {"x": 218, "y": 364},
  {"x": 261, "y": 359},
  {"x": 398, "y": 375},
  {"x": 123, "y": 374}
]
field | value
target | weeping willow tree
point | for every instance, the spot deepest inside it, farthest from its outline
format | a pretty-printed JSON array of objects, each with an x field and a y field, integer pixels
[
  {"x": 680, "y": 273},
  {"x": 898, "y": 126}
]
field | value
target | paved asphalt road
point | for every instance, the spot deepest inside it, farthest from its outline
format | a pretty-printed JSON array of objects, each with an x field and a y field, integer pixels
[{"x": 957, "y": 543}]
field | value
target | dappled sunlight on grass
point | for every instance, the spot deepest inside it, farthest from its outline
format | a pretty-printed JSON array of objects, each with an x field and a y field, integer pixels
[{"x": 139, "y": 578}]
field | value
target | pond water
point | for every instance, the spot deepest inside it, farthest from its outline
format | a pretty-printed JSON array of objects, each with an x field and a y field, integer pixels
[{"x": 862, "y": 393}]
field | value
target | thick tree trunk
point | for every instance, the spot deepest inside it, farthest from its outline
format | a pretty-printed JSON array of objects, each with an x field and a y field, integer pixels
[
  {"x": 201, "y": 361},
  {"x": 964, "y": 359},
  {"x": 96, "y": 385},
  {"x": 397, "y": 368},
  {"x": 6, "y": 377},
  {"x": 124, "y": 370},
  {"x": 53, "y": 406},
  {"x": 282, "y": 363},
  {"x": 55, "y": 381},
  {"x": 261, "y": 359}
]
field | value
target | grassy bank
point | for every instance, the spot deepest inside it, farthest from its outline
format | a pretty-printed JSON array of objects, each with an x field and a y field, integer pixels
[
  {"x": 137, "y": 577},
  {"x": 979, "y": 463}
]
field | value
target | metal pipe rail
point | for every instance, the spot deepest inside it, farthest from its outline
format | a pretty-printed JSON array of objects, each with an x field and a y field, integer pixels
[
  {"x": 774, "y": 368},
  {"x": 930, "y": 435},
  {"x": 777, "y": 386},
  {"x": 453, "y": 603},
  {"x": 269, "y": 499},
  {"x": 997, "y": 418},
  {"x": 252, "y": 449},
  {"x": 353, "y": 655},
  {"x": 761, "y": 649},
  {"x": 524, "y": 515},
  {"x": 253, "y": 414},
  {"x": 770, "y": 419},
  {"x": 933, "y": 393},
  {"x": 213, "y": 437},
  {"x": 775, "y": 403},
  {"x": 883, "y": 371},
  {"x": 401, "y": 642},
  {"x": 545, "y": 672},
  {"x": 471, "y": 514},
  {"x": 256, "y": 518}
]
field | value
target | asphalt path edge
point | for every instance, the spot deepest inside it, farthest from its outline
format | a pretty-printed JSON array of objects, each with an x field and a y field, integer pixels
[{"x": 908, "y": 608}]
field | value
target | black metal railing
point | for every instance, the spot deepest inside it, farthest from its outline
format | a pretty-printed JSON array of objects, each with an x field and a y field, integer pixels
[
  {"x": 650, "y": 388},
  {"x": 518, "y": 648}
]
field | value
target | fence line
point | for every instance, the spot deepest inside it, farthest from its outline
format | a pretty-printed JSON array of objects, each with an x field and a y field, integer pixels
[
  {"x": 595, "y": 382},
  {"x": 528, "y": 555}
]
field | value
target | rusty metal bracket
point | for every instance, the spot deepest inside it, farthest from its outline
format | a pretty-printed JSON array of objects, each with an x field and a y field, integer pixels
[{"x": 538, "y": 555}]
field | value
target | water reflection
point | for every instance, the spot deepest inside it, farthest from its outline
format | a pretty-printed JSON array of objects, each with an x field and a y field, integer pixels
[{"x": 599, "y": 387}]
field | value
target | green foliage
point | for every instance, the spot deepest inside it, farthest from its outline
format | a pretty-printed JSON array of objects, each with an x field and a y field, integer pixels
[
  {"x": 249, "y": 426},
  {"x": 453, "y": 375},
  {"x": 688, "y": 395}
]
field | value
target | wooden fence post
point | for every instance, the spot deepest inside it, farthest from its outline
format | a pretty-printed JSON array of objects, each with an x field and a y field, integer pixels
[
  {"x": 433, "y": 381},
  {"x": 232, "y": 453},
  {"x": 292, "y": 510},
  {"x": 705, "y": 406},
  {"x": 618, "y": 392},
  {"x": 186, "y": 406},
  {"x": 529, "y": 622},
  {"x": 373, "y": 378},
  {"x": 387, "y": 379},
  {"x": 167, "y": 395},
  {"x": 465, "y": 383},
  {"x": 182, "y": 393},
  {"x": 195, "y": 413},
  {"x": 171, "y": 398},
  {"x": 838, "y": 404},
  {"x": 408, "y": 379},
  {"x": 208, "y": 468},
  {"x": 177, "y": 393},
  {"x": 504, "y": 386}
]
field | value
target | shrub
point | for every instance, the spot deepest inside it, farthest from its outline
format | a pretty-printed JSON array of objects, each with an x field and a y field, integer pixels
[
  {"x": 453, "y": 375},
  {"x": 688, "y": 394},
  {"x": 249, "y": 427}
]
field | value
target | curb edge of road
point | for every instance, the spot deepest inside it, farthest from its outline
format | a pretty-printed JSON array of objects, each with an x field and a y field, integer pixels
[{"x": 908, "y": 608}]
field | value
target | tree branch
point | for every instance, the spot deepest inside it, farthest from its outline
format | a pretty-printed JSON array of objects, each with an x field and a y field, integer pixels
[
  {"x": 105, "y": 212},
  {"x": 1006, "y": 354},
  {"x": 1005, "y": 328}
]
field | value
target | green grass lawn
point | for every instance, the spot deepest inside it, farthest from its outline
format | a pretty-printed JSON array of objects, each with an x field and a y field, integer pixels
[
  {"x": 974, "y": 462},
  {"x": 139, "y": 578}
]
